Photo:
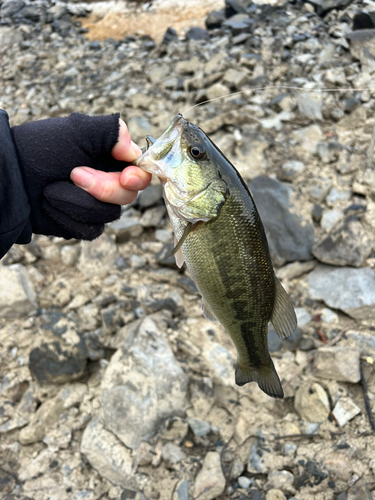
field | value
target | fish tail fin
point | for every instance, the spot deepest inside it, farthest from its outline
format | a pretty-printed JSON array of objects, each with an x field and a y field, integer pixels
[{"x": 265, "y": 376}]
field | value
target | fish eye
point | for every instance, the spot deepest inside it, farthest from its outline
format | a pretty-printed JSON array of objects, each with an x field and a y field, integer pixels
[{"x": 196, "y": 152}]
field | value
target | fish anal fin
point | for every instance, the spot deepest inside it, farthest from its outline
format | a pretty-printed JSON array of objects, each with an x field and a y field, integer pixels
[
  {"x": 265, "y": 376},
  {"x": 179, "y": 258},
  {"x": 283, "y": 316},
  {"x": 208, "y": 314}
]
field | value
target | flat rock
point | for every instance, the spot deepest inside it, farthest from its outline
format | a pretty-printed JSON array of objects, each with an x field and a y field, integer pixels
[
  {"x": 17, "y": 296},
  {"x": 345, "y": 410},
  {"x": 153, "y": 216},
  {"x": 348, "y": 244},
  {"x": 108, "y": 455},
  {"x": 338, "y": 363},
  {"x": 210, "y": 481},
  {"x": 143, "y": 382},
  {"x": 290, "y": 236},
  {"x": 125, "y": 228},
  {"x": 151, "y": 196},
  {"x": 311, "y": 402},
  {"x": 350, "y": 290}
]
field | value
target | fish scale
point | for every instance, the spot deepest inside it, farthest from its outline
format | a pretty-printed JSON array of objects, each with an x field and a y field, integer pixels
[{"x": 222, "y": 241}]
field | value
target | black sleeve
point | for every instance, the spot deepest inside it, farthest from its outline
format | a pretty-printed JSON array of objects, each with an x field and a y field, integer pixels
[{"x": 15, "y": 226}]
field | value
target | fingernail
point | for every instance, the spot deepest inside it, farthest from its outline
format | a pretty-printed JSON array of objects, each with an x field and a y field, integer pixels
[
  {"x": 82, "y": 178},
  {"x": 136, "y": 149},
  {"x": 133, "y": 182}
]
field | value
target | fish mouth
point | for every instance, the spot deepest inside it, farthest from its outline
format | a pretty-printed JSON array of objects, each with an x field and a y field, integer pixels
[{"x": 151, "y": 160}]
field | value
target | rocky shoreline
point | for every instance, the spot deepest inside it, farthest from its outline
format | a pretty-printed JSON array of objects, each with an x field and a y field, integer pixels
[{"x": 113, "y": 385}]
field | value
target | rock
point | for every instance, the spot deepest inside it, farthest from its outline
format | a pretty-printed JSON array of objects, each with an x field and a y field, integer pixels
[
  {"x": 330, "y": 218},
  {"x": 235, "y": 78},
  {"x": 239, "y": 23},
  {"x": 244, "y": 482},
  {"x": 338, "y": 363},
  {"x": 215, "y": 19},
  {"x": 172, "y": 454},
  {"x": 17, "y": 296},
  {"x": 142, "y": 381},
  {"x": 311, "y": 403},
  {"x": 281, "y": 480},
  {"x": 220, "y": 361},
  {"x": 291, "y": 169},
  {"x": 169, "y": 36},
  {"x": 275, "y": 494},
  {"x": 62, "y": 354},
  {"x": 295, "y": 270},
  {"x": 98, "y": 257},
  {"x": 70, "y": 254},
  {"x": 153, "y": 216},
  {"x": 303, "y": 316},
  {"x": 197, "y": 33},
  {"x": 348, "y": 244},
  {"x": 350, "y": 290},
  {"x": 290, "y": 236},
  {"x": 199, "y": 427},
  {"x": 329, "y": 316},
  {"x": 108, "y": 456},
  {"x": 359, "y": 491},
  {"x": 210, "y": 481},
  {"x": 345, "y": 410},
  {"x": 125, "y": 228},
  {"x": 310, "y": 105},
  {"x": 151, "y": 196},
  {"x": 309, "y": 138}
]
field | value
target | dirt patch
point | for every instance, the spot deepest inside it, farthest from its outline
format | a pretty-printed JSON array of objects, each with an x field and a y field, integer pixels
[{"x": 116, "y": 24}]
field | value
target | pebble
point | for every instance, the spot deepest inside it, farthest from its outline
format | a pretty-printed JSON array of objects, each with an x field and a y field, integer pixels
[
  {"x": 172, "y": 454},
  {"x": 199, "y": 427},
  {"x": 330, "y": 218},
  {"x": 244, "y": 482},
  {"x": 311, "y": 403},
  {"x": 345, "y": 410},
  {"x": 282, "y": 480},
  {"x": 291, "y": 169},
  {"x": 210, "y": 481},
  {"x": 275, "y": 494},
  {"x": 17, "y": 295}
]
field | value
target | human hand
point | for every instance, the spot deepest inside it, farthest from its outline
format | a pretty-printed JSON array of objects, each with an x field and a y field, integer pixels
[
  {"x": 120, "y": 188},
  {"x": 48, "y": 151}
]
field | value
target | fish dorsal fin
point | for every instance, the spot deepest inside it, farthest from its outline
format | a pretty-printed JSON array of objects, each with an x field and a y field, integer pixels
[
  {"x": 178, "y": 245},
  {"x": 208, "y": 314},
  {"x": 283, "y": 316}
]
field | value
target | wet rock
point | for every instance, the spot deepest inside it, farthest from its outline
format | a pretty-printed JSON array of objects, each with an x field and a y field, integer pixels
[
  {"x": 98, "y": 257},
  {"x": 210, "y": 481},
  {"x": 62, "y": 354},
  {"x": 345, "y": 410},
  {"x": 338, "y": 363},
  {"x": 142, "y": 381},
  {"x": 348, "y": 244},
  {"x": 311, "y": 403},
  {"x": 350, "y": 290},
  {"x": 17, "y": 296},
  {"x": 290, "y": 236},
  {"x": 108, "y": 456}
]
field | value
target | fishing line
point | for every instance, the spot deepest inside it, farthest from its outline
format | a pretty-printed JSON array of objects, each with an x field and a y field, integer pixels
[{"x": 283, "y": 87}]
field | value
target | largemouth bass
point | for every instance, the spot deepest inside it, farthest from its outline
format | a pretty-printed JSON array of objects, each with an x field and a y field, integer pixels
[{"x": 219, "y": 234}]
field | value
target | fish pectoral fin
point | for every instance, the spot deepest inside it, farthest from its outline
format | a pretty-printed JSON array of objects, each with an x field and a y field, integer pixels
[
  {"x": 178, "y": 245},
  {"x": 265, "y": 376},
  {"x": 207, "y": 313},
  {"x": 283, "y": 316}
]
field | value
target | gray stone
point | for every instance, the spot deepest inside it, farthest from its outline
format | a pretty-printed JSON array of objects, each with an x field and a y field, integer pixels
[
  {"x": 97, "y": 257},
  {"x": 199, "y": 427},
  {"x": 17, "y": 296},
  {"x": 244, "y": 482},
  {"x": 215, "y": 19},
  {"x": 153, "y": 216},
  {"x": 220, "y": 362},
  {"x": 139, "y": 126},
  {"x": 108, "y": 455},
  {"x": 125, "y": 228},
  {"x": 330, "y": 218},
  {"x": 70, "y": 254},
  {"x": 338, "y": 363},
  {"x": 9, "y": 36},
  {"x": 328, "y": 152},
  {"x": 345, "y": 410},
  {"x": 239, "y": 23},
  {"x": 62, "y": 353},
  {"x": 336, "y": 195},
  {"x": 359, "y": 491},
  {"x": 172, "y": 454},
  {"x": 348, "y": 244},
  {"x": 295, "y": 270},
  {"x": 350, "y": 290},
  {"x": 311, "y": 402},
  {"x": 235, "y": 78},
  {"x": 309, "y": 137},
  {"x": 197, "y": 33},
  {"x": 210, "y": 481},
  {"x": 291, "y": 169},
  {"x": 152, "y": 195},
  {"x": 310, "y": 105},
  {"x": 282, "y": 480},
  {"x": 143, "y": 382},
  {"x": 290, "y": 236}
]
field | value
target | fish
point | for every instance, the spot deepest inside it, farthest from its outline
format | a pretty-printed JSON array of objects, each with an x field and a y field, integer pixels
[{"x": 221, "y": 238}]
